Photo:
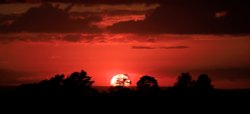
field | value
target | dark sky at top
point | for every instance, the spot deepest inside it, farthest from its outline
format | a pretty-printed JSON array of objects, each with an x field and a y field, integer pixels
[
  {"x": 173, "y": 16},
  {"x": 84, "y": 1},
  {"x": 194, "y": 17}
]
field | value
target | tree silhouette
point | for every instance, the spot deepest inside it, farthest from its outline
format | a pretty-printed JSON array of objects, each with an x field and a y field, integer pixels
[
  {"x": 184, "y": 81},
  {"x": 78, "y": 82},
  {"x": 147, "y": 82},
  {"x": 51, "y": 86},
  {"x": 183, "y": 84},
  {"x": 203, "y": 84},
  {"x": 147, "y": 85}
]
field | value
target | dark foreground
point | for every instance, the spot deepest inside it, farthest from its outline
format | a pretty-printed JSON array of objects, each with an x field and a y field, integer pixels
[
  {"x": 127, "y": 95},
  {"x": 76, "y": 93},
  {"x": 128, "y": 102}
]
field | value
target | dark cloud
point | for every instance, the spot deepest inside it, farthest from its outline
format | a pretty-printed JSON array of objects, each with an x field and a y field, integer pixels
[
  {"x": 111, "y": 12},
  {"x": 193, "y": 17},
  {"x": 162, "y": 47},
  {"x": 89, "y": 38},
  {"x": 88, "y": 2},
  {"x": 8, "y": 19},
  {"x": 11, "y": 77},
  {"x": 126, "y": 12},
  {"x": 142, "y": 47},
  {"x": 86, "y": 38},
  {"x": 174, "y": 47},
  {"x": 47, "y": 18},
  {"x": 49, "y": 37}
]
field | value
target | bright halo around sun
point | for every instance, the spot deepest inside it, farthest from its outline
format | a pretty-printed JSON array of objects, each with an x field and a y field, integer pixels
[{"x": 120, "y": 80}]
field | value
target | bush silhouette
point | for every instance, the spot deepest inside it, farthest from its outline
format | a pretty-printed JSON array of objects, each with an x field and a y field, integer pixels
[
  {"x": 203, "y": 84},
  {"x": 184, "y": 81},
  {"x": 147, "y": 85},
  {"x": 78, "y": 83}
]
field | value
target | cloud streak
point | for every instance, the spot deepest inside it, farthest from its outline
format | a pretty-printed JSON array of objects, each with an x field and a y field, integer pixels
[
  {"x": 161, "y": 47},
  {"x": 87, "y": 2},
  {"x": 173, "y": 47},
  {"x": 112, "y": 38},
  {"x": 48, "y": 37},
  {"x": 142, "y": 47}
]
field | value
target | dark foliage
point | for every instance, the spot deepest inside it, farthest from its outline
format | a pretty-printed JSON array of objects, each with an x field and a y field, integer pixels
[
  {"x": 148, "y": 85},
  {"x": 78, "y": 85}
]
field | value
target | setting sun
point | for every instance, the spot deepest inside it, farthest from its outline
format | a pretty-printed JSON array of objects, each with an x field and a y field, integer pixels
[
  {"x": 120, "y": 80},
  {"x": 84, "y": 49}
]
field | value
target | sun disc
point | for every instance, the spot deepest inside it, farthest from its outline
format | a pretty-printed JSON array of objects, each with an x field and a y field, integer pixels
[{"x": 120, "y": 80}]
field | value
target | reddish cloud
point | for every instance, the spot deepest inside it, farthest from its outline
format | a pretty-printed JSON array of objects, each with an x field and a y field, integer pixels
[
  {"x": 174, "y": 47},
  {"x": 142, "y": 47},
  {"x": 114, "y": 38},
  {"x": 161, "y": 47}
]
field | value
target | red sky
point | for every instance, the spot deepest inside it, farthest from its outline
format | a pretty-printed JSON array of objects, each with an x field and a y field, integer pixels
[
  {"x": 32, "y": 53},
  {"x": 216, "y": 56}
]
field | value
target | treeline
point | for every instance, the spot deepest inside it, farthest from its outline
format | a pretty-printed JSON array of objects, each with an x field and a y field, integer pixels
[{"x": 80, "y": 84}]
